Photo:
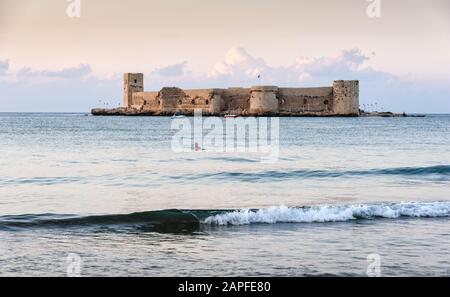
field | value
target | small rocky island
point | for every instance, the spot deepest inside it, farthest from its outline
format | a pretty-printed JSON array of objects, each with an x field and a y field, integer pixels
[
  {"x": 385, "y": 114},
  {"x": 339, "y": 100}
]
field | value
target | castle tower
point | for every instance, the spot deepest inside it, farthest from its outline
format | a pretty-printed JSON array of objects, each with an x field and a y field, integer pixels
[
  {"x": 263, "y": 100},
  {"x": 216, "y": 102},
  {"x": 346, "y": 97},
  {"x": 132, "y": 82}
]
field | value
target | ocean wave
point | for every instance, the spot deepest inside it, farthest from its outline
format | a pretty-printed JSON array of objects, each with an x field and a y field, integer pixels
[
  {"x": 282, "y": 175},
  {"x": 173, "y": 219},
  {"x": 166, "y": 217},
  {"x": 322, "y": 214},
  {"x": 439, "y": 172}
]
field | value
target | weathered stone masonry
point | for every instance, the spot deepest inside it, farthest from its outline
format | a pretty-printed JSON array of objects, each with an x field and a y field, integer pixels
[{"x": 341, "y": 99}]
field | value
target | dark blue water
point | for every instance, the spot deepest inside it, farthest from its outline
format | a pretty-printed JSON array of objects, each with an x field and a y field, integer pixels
[{"x": 113, "y": 191}]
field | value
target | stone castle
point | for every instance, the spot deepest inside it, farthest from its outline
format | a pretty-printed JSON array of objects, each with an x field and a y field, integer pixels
[{"x": 341, "y": 99}]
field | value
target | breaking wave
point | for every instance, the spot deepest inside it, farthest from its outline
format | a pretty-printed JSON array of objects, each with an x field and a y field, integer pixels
[
  {"x": 175, "y": 219},
  {"x": 322, "y": 214}
]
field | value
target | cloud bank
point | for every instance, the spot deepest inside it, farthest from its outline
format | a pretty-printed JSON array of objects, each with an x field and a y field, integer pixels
[
  {"x": 239, "y": 66},
  {"x": 67, "y": 73},
  {"x": 78, "y": 89},
  {"x": 171, "y": 70}
]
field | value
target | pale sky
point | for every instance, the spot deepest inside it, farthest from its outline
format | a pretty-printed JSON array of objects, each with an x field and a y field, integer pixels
[{"x": 399, "y": 57}]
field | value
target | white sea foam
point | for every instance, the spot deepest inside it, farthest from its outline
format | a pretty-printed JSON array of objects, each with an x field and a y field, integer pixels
[{"x": 328, "y": 213}]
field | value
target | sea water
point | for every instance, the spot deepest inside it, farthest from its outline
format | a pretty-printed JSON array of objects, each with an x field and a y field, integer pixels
[{"x": 111, "y": 196}]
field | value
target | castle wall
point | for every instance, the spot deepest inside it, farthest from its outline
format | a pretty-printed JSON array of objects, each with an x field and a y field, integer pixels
[
  {"x": 306, "y": 100},
  {"x": 178, "y": 100},
  {"x": 236, "y": 100},
  {"x": 201, "y": 98},
  {"x": 340, "y": 99},
  {"x": 264, "y": 100},
  {"x": 217, "y": 104},
  {"x": 346, "y": 97},
  {"x": 171, "y": 99},
  {"x": 145, "y": 100}
]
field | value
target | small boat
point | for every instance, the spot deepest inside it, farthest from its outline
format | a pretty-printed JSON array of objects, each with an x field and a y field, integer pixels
[
  {"x": 231, "y": 116},
  {"x": 177, "y": 116}
]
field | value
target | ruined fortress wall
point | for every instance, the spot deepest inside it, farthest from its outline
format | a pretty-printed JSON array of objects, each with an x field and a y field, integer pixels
[
  {"x": 171, "y": 99},
  {"x": 200, "y": 98},
  {"x": 148, "y": 100},
  {"x": 217, "y": 104},
  {"x": 209, "y": 100},
  {"x": 174, "y": 100},
  {"x": 340, "y": 99},
  {"x": 264, "y": 100},
  {"x": 306, "y": 100},
  {"x": 346, "y": 97},
  {"x": 236, "y": 100}
]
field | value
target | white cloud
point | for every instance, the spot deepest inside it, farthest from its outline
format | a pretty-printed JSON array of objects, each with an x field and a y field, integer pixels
[
  {"x": 239, "y": 67},
  {"x": 237, "y": 62},
  {"x": 171, "y": 70},
  {"x": 349, "y": 64},
  {"x": 80, "y": 71}
]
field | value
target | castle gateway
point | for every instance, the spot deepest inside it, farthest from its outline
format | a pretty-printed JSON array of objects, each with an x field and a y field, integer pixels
[{"x": 340, "y": 99}]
